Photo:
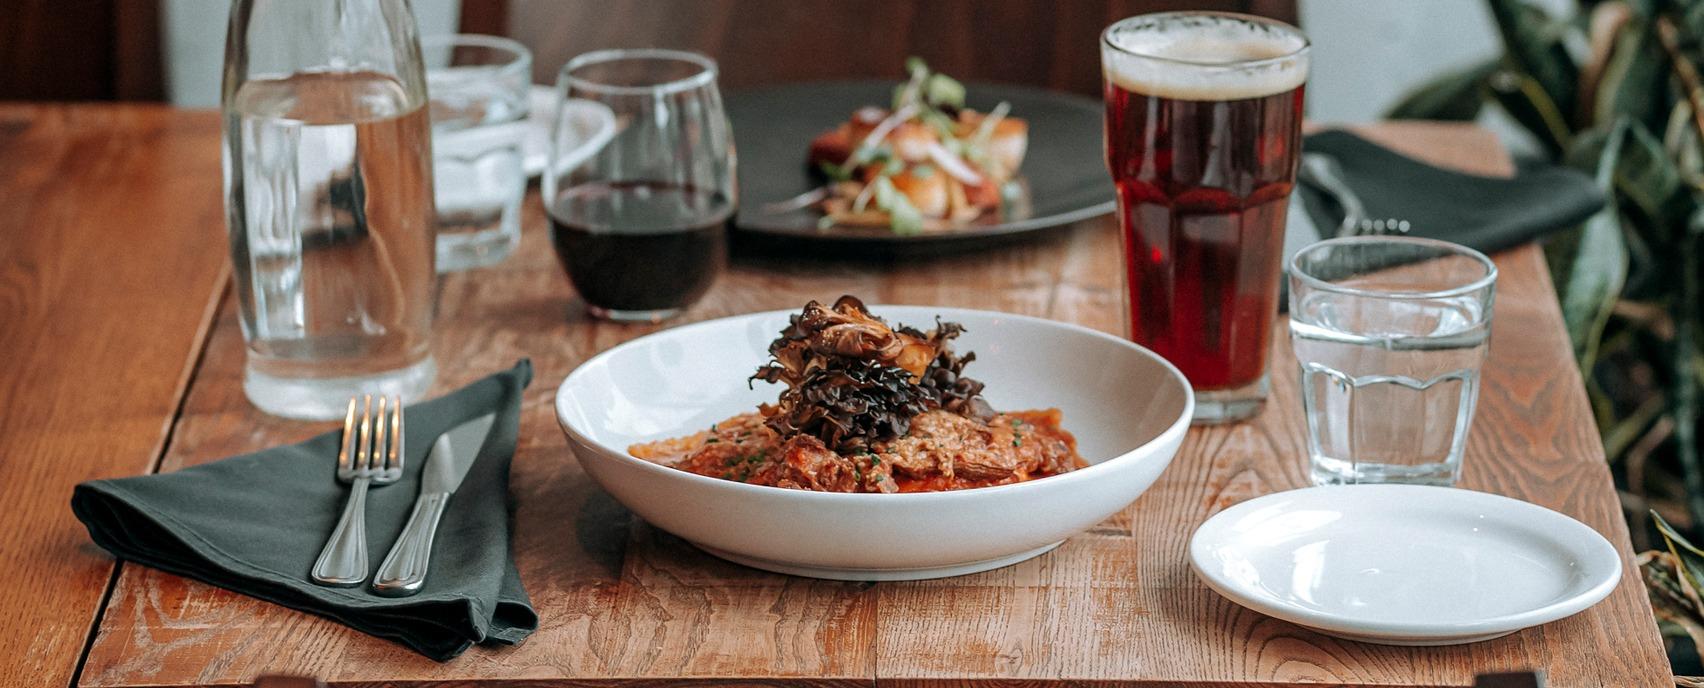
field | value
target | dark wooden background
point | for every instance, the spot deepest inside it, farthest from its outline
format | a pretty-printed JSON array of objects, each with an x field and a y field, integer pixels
[
  {"x": 111, "y": 49},
  {"x": 81, "y": 50},
  {"x": 1051, "y": 43}
]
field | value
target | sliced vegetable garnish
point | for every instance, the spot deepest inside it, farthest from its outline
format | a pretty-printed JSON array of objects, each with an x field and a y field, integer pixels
[{"x": 882, "y": 164}]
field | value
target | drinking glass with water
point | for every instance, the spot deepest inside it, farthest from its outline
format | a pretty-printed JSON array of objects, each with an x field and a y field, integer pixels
[
  {"x": 479, "y": 88},
  {"x": 1390, "y": 334}
]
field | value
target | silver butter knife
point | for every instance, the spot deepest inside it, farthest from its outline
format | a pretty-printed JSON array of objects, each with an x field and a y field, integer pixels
[{"x": 404, "y": 569}]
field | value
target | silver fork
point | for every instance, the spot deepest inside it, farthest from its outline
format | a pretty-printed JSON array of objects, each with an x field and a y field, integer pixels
[
  {"x": 370, "y": 455},
  {"x": 1327, "y": 175}
]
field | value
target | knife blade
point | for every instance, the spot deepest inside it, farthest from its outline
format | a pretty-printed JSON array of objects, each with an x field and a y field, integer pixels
[{"x": 403, "y": 571}]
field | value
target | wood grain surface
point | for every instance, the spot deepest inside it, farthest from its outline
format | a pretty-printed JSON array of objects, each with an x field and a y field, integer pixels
[
  {"x": 624, "y": 604},
  {"x": 110, "y": 261}
]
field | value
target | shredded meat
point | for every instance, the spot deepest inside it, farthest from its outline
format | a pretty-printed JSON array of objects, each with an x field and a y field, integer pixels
[{"x": 944, "y": 451}]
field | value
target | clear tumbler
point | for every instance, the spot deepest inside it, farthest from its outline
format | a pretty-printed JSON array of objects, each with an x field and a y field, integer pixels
[{"x": 1390, "y": 334}]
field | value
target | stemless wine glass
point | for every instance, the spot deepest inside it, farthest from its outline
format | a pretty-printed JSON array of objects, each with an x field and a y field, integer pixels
[{"x": 639, "y": 220}]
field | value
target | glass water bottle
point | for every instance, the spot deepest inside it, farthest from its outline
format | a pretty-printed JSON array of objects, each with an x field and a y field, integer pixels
[{"x": 328, "y": 201}]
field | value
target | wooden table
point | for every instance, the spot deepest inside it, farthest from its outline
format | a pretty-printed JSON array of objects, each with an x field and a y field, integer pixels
[{"x": 122, "y": 355}]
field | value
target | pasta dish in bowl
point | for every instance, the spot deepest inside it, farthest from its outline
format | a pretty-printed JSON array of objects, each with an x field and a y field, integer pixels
[
  {"x": 878, "y": 453},
  {"x": 872, "y": 408}
]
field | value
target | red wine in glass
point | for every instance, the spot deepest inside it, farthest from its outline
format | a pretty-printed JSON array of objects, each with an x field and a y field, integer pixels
[{"x": 640, "y": 251}]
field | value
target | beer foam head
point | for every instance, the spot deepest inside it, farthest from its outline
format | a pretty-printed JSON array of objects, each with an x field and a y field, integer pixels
[{"x": 1190, "y": 56}]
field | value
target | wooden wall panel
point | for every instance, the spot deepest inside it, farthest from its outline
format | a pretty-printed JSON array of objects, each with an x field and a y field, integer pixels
[{"x": 1036, "y": 42}]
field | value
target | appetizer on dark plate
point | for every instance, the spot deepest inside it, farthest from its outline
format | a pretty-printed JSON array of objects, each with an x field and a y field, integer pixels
[{"x": 925, "y": 163}]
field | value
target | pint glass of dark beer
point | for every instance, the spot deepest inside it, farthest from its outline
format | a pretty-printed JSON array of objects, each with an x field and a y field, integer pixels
[{"x": 1203, "y": 133}]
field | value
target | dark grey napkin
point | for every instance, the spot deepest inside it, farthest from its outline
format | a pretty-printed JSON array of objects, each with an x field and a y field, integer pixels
[
  {"x": 1485, "y": 213},
  {"x": 255, "y": 523}
]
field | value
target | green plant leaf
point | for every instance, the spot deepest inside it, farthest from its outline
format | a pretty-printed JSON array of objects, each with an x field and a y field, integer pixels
[
  {"x": 1587, "y": 148},
  {"x": 1649, "y": 180},
  {"x": 1684, "y": 146},
  {"x": 1597, "y": 268},
  {"x": 1692, "y": 18},
  {"x": 1684, "y": 387},
  {"x": 1533, "y": 42},
  {"x": 1691, "y": 558},
  {"x": 1457, "y": 95},
  {"x": 1617, "y": 438},
  {"x": 1635, "y": 81},
  {"x": 1526, "y": 101}
]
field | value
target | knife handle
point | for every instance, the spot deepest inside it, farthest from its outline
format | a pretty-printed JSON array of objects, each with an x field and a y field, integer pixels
[{"x": 404, "y": 569}]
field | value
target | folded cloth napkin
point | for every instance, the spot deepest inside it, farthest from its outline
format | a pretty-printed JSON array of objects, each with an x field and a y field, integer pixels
[
  {"x": 255, "y": 524},
  {"x": 1485, "y": 213}
]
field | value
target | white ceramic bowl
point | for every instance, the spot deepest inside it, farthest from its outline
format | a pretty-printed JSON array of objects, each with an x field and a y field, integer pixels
[{"x": 1128, "y": 408}]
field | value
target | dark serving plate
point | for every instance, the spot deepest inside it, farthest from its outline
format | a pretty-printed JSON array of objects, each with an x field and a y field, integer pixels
[{"x": 1063, "y": 170}]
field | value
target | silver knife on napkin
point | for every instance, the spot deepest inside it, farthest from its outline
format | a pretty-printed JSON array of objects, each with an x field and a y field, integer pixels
[{"x": 404, "y": 569}]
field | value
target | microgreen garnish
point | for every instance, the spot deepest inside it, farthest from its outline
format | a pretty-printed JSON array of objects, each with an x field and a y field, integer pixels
[
  {"x": 906, "y": 218},
  {"x": 838, "y": 173}
]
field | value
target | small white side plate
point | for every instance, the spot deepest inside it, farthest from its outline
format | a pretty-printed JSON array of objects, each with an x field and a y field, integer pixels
[{"x": 1404, "y": 564}]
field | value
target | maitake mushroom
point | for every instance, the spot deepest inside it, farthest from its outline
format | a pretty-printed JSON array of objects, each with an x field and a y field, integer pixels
[{"x": 852, "y": 380}]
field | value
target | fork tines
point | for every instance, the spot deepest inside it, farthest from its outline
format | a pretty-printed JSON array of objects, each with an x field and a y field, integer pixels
[
  {"x": 393, "y": 457},
  {"x": 373, "y": 442}
]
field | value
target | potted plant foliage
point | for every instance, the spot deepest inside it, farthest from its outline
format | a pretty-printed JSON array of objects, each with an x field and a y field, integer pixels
[{"x": 1616, "y": 90}]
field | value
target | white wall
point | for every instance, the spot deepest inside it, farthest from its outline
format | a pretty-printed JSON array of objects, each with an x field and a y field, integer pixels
[
  {"x": 195, "y": 43},
  {"x": 1368, "y": 53}
]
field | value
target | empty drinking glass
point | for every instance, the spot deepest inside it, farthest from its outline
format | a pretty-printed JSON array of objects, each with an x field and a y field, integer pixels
[
  {"x": 478, "y": 86},
  {"x": 1390, "y": 333}
]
